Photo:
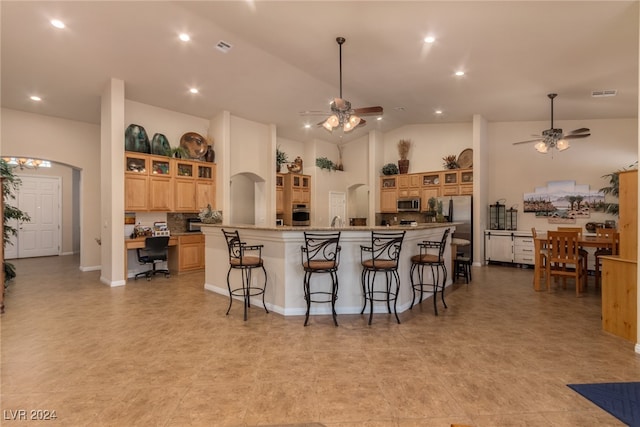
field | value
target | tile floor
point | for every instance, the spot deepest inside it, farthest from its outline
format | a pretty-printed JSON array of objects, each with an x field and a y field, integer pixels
[{"x": 163, "y": 353}]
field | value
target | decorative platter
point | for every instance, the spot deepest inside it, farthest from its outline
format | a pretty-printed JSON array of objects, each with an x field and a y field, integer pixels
[
  {"x": 194, "y": 144},
  {"x": 465, "y": 159}
]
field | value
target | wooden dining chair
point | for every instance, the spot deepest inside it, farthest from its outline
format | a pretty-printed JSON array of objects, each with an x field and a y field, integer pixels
[
  {"x": 583, "y": 252},
  {"x": 564, "y": 259},
  {"x": 611, "y": 235},
  {"x": 541, "y": 257}
]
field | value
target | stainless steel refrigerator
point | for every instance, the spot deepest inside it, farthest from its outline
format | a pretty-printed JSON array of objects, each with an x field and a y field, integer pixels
[{"x": 460, "y": 209}]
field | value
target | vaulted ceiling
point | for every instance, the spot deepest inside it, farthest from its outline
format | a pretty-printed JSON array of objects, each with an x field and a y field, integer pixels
[{"x": 284, "y": 59}]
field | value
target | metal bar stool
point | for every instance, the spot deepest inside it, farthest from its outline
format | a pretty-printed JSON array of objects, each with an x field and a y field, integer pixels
[
  {"x": 321, "y": 254},
  {"x": 462, "y": 268},
  {"x": 382, "y": 256},
  {"x": 435, "y": 261},
  {"x": 245, "y": 258}
]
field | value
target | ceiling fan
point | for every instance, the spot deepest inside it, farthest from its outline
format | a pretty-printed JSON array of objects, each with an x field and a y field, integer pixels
[
  {"x": 553, "y": 137},
  {"x": 341, "y": 113}
]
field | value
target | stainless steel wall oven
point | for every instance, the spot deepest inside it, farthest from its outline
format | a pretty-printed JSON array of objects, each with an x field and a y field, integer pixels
[{"x": 300, "y": 214}]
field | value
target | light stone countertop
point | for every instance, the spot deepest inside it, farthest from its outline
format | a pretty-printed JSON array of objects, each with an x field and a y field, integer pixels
[{"x": 420, "y": 226}]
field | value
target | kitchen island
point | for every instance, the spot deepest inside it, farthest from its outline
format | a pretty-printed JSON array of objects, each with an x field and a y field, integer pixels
[{"x": 282, "y": 260}]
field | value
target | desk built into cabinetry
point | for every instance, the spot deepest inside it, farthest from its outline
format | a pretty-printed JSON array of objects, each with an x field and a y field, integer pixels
[
  {"x": 165, "y": 184},
  {"x": 450, "y": 182},
  {"x": 509, "y": 246},
  {"x": 186, "y": 252}
]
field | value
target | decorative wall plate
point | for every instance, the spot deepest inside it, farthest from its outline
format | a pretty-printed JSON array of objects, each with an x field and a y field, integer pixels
[
  {"x": 465, "y": 159},
  {"x": 194, "y": 144},
  {"x": 160, "y": 145}
]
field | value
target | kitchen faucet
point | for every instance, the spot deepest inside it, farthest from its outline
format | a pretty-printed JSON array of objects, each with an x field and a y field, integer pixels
[{"x": 336, "y": 219}]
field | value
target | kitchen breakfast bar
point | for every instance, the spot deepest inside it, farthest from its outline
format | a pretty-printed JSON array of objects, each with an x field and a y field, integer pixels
[{"x": 282, "y": 261}]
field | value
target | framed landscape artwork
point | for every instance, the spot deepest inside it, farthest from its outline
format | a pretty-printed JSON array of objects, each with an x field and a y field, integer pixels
[{"x": 562, "y": 202}]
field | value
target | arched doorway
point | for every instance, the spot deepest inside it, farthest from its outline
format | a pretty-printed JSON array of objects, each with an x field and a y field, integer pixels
[
  {"x": 358, "y": 203},
  {"x": 247, "y": 201}
]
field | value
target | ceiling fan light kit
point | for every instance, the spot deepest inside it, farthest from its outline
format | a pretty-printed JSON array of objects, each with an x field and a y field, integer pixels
[
  {"x": 554, "y": 137},
  {"x": 342, "y": 115}
]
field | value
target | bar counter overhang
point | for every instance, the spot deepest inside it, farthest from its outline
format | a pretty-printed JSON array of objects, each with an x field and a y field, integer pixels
[{"x": 282, "y": 260}]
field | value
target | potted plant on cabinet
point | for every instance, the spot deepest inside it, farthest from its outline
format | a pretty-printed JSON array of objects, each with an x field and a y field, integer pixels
[
  {"x": 403, "y": 151},
  {"x": 281, "y": 158},
  {"x": 390, "y": 169}
]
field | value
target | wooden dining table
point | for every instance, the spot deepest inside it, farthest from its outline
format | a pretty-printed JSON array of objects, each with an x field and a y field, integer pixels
[{"x": 585, "y": 241}]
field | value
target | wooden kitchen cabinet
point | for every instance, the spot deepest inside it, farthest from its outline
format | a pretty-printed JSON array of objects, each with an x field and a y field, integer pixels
[
  {"x": 296, "y": 190},
  {"x": 300, "y": 187},
  {"x": 194, "y": 186},
  {"x": 620, "y": 272},
  {"x": 159, "y": 183},
  {"x": 136, "y": 179},
  {"x": 185, "y": 189},
  {"x": 450, "y": 182},
  {"x": 409, "y": 185},
  {"x": 389, "y": 194},
  {"x": 279, "y": 193},
  {"x": 189, "y": 255}
]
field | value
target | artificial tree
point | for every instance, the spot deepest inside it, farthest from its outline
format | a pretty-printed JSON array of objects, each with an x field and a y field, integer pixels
[{"x": 10, "y": 184}]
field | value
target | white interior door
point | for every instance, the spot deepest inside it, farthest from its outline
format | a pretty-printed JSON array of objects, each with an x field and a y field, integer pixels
[
  {"x": 337, "y": 206},
  {"x": 39, "y": 197}
]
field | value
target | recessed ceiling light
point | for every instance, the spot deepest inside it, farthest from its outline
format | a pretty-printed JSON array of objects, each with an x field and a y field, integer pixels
[
  {"x": 193, "y": 90},
  {"x": 307, "y": 126},
  {"x": 437, "y": 112},
  {"x": 429, "y": 39},
  {"x": 35, "y": 98},
  {"x": 184, "y": 37},
  {"x": 379, "y": 118},
  {"x": 57, "y": 23},
  {"x": 459, "y": 73}
]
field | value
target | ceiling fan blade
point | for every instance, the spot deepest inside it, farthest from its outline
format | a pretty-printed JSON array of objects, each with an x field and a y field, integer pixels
[
  {"x": 367, "y": 110},
  {"x": 528, "y": 141},
  {"x": 582, "y": 135},
  {"x": 581, "y": 130},
  {"x": 315, "y": 113},
  {"x": 362, "y": 122}
]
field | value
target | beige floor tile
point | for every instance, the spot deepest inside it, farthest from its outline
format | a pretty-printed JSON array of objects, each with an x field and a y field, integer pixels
[{"x": 164, "y": 353}]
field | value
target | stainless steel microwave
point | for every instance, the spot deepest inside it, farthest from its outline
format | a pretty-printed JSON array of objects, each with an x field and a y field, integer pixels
[{"x": 409, "y": 204}]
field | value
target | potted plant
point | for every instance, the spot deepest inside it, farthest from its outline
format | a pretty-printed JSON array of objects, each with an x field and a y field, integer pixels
[
  {"x": 281, "y": 158},
  {"x": 10, "y": 184},
  {"x": 403, "y": 151},
  {"x": 325, "y": 163},
  {"x": 450, "y": 162},
  {"x": 614, "y": 188},
  {"x": 390, "y": 169}
]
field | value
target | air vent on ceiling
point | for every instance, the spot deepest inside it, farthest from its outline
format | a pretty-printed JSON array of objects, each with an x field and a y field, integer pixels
[
  {"x": 603, "y": 93},
  {"x": 223, "y": 46}
]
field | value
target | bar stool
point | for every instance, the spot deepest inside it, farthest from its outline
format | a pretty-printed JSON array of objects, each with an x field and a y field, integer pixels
[
  {"x": 461, "y": 263},
  {"x": 382, "y": 256},
  {"x": 462, "y": 268},
  {"x": 321, "y": 254},
  {"x": 435, "y": 261},
  {"x": 245, "y": 258}
]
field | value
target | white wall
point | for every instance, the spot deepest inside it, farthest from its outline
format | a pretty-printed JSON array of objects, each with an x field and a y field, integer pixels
[
  {"x": 158, "y": 120},
  {"x": 67, "y": 142},
  {"x": 429, "y": 144},
  {"x": 518, "y": 169}
]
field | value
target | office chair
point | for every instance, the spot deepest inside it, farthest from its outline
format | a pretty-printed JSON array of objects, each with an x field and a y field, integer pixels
[{"x": 155, "y": 250}]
